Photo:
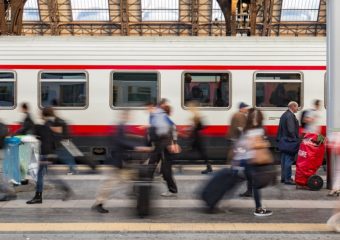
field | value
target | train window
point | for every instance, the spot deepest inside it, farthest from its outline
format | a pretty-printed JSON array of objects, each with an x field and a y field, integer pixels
[
  {"x": 63, "y": 89},
  {"x": 208, "y": 89},
  {"x": 7, "y": 90},
  {"x": 273, "y": 90},
  {"x": 134, "y": 89}
]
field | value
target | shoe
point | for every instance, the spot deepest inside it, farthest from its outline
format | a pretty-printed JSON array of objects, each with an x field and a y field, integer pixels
[
  {"x": 262, "y": 212},
  {"x": 72, "y": 172},
  {"x": 169, "y": 194},
  {"x": 8, "y": 197},
  {"x": 37, "y": 199},
  {"x": 68, "y": 193},
  {"x": 246, "y": 194},
  {"x": 24, "y": 182},
  {"x": 99, "y": 208},
  {"x": 290, "y": 182},
  {"x": 214, "y": 210},
  {"x": 208, "y": 170}
]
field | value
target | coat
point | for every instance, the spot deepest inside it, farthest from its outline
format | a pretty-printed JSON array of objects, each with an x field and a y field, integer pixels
[
  {"x": 238, "y": 123},
  {"x": 288, "y": 126}
]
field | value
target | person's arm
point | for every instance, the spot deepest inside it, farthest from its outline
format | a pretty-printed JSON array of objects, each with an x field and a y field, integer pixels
[{"x": 291, "y": 127}]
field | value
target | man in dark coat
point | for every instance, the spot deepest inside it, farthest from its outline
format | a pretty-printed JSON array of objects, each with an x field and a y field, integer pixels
[{"x": 289, "y": 129}]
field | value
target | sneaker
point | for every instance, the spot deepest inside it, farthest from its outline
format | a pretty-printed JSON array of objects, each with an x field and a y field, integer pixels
[
  {"x": 169, "y": 194},
  {"x": 246, "y": 194},
  {"x": 207, "y": 170},
  {"x": 262, "y": 212},
  {"x": 99, "y": 208}
]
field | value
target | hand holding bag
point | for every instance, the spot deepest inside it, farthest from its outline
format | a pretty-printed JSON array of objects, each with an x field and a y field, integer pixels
[{"x": 289, "y": 146}]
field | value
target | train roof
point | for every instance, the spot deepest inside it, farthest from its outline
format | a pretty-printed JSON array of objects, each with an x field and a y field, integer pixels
[{"x": 163, "y": 50}]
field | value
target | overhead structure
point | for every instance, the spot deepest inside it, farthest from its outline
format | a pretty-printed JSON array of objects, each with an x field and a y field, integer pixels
[{"x": 163, "y": 18}]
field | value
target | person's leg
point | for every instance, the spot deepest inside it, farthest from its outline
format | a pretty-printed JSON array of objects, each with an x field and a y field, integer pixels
[
  {"x": 248, "y": 173},
  {"x": 167, "y": 172},
  {"x": 203, "y": 152},
  {"x": 67, "y": 158},
  {"x": 105, "y": 190},
  {"x": 288, "y": 167},
  {"x": 282, "y": 159},
  {"x": 37, "y": 199}
]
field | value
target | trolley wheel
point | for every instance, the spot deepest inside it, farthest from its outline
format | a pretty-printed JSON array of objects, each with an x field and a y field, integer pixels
[{"x": 315, "y": 183}]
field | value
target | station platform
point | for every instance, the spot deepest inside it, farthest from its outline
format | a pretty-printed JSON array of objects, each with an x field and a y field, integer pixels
[{"x": 297, "y": 213}]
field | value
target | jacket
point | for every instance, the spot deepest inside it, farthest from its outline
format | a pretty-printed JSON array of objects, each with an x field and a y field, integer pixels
[
  {"x": 27, "y": 126},
  {"x": 238, "y": 123},
  {"x": 288, "y": 126}
]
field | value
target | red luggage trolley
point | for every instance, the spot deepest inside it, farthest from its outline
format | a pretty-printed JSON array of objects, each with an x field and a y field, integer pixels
[{"x": 310, "y": 158}]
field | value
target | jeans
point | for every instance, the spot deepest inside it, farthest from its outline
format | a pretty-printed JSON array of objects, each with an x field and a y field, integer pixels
[
  {"x": 256, "y": 192},
  {"x": 42, "y": 170},
  {"x": 66, "y": 158},
  {"x": 41, "y": 173},
  {"x": 286, "y": 167}
]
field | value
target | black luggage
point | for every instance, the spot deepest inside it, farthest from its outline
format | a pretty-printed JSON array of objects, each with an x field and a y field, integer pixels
[
  {"x": 143, "y": 190},
  {"x": 222, "y": 181}
]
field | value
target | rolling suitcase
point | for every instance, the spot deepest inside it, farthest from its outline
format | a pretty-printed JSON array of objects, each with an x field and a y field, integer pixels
[{"x": 221, "y": 182}]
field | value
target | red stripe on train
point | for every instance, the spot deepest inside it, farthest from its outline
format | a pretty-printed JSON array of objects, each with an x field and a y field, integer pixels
[
  {"x": 106, "y": 130},
  {"x": 161, "y": 67}
]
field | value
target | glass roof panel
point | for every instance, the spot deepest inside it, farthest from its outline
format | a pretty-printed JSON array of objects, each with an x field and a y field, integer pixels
[
  {"x": 31, "y": 11},
  {"x": 217, "y": 14},
  {"x": 300, "y": 10},
  {"x": 160, "y": 10},
  {"x": 90, "y": 10}
]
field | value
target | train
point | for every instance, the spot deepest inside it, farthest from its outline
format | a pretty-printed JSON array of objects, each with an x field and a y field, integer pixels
[{"x": 91, "y": 80}]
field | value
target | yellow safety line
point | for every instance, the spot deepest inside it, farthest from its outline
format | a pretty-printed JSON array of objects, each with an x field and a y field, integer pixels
[{"x": 163, "y": 227}]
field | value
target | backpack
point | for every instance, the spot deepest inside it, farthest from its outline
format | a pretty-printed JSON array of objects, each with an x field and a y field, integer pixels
[
  {"x": 302, "y": 118},
  {"x": 3, "y": 134}
]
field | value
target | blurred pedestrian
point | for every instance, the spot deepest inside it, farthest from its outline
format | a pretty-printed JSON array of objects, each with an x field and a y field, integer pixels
[
  {"x": 237, "y": 125},
  {"x": 288, "y": 141},
  {"x": 238, "y": 122},
  {"x": 46, "y": 133},
  {"x": 196, "y": 135},
  {"x": 62, "y": 137},
  {"x": 164, "y": 138},
  {"x": 120, "y": 145},
  {"x": 310, "y": 118},
  {"x": 27, "y": 126},
  {"x": 248, "y": 146}
]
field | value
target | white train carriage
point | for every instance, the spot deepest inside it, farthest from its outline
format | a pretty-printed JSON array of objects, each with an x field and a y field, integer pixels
[{"x": 91, "y": 79}]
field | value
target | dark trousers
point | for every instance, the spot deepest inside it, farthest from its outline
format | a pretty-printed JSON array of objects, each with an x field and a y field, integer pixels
[
  {"x": 256, "y": 192},
  {"x": 161, "y": 153},
  {"x": 199, "y": 146},
  {"x": 42, "y": 170}
]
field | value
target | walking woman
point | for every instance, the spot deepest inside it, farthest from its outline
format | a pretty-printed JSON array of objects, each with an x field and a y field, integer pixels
[
  {"x": 196, "y": 135},
  {"x": 251, "y": 142}
]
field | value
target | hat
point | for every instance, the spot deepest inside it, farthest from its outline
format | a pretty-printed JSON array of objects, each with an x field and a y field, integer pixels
[{"x": 243, "y": 105}]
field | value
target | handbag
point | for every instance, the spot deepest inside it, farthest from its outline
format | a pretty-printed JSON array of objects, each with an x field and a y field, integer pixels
[
  {"x": 289, "y": 146},
  {"x": 264, "y": 175},
  {"x": 262, "y": 157}
]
